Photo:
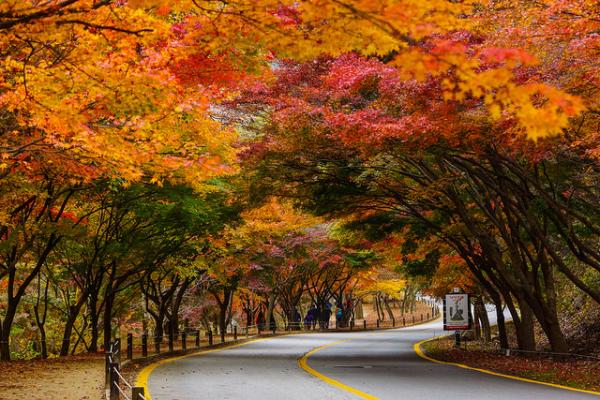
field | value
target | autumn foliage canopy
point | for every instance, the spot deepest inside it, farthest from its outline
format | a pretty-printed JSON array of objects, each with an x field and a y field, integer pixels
[{"x": 452, "y": 142}]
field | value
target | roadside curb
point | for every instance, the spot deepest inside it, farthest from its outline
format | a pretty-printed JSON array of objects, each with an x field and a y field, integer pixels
[{"x": 418, "y": 349}]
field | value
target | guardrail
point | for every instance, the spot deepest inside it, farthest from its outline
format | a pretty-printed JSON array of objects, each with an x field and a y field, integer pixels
[
  {"x": 549, "y": 354},
  {"x": 493, "y": 346},
  {"x": 117, "y": 386}
]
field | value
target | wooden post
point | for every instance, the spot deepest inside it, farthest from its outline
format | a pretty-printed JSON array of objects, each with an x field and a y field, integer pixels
[
  {"x": 394, "y": 322},
  {"x": 235, "y": 332},
  {"x": 403, "y": 321},
  {"x": 427, "y": 315},
  {"x": 421, "y": 317},
  {"x": 183, "y": 341},
  {"x": 413, "y": 317},
  {"x": 197, "y": 337},
  {"x": 117, "y": 350},
  {"x": 144, "y": 345},
  {"x": 114, "y": 381},
  {"x": 129, "y": 346},
  {"x": 107, "y": 361},
  {"x": 137, "y": 393},
  {"x": 378, "y": 322},
  {"x": 364, "y": 324},
  {"x": 210, "y": 337}
]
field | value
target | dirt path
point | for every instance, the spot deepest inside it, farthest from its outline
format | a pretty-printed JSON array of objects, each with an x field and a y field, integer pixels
[{"x": 73, "y": 378}]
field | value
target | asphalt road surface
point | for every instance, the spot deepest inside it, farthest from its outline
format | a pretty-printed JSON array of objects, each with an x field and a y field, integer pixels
[{"x": 375, "y": 365}]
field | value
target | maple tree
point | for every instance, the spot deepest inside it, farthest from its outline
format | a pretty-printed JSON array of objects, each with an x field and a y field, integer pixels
[
  {"x": 83, "y": 96},
  {"x": 97, "y": 94},
  {"x": 277, "y": 244}
]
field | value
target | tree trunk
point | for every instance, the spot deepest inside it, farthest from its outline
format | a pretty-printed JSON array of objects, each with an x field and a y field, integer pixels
[
  {"x": 107, "y": 319},
  {"x": 485, "y": 321},
  {"x": 159, "y": 321},
  {"x": 223, "y": 308},
  {"x": 69, "y": 324},
  {"x": 94, "y": 320},
  {"x": 500, "y": 321},
  {"x": 1, "y": 342},
  {"x": 176, "y": 305},
  {"x": 270, "y": 308},
  {"x": 380, "y": 316},
  {"x": 14, "y": 298},
  {"x": 477, "y": 322},
  {"x": 5, "y": 333},
  {"x": 524, "y": 329},
  {"x": 40, "y": 320},
  {"x": 389, "y": 310},
  {"x": 557, "y": 339}
]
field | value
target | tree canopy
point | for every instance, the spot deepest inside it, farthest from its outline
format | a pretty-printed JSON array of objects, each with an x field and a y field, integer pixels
[{"x": 205, "y": 161}]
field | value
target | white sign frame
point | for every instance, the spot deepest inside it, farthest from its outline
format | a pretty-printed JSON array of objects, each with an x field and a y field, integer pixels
[{"x": 457, "y": 312}]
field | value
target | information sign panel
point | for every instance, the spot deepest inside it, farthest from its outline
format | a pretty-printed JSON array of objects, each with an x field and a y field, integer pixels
[{"x": 457, "y": 312}]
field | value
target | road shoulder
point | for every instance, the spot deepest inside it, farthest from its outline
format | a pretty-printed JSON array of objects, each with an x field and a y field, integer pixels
[{"x": 463, "y": 359}]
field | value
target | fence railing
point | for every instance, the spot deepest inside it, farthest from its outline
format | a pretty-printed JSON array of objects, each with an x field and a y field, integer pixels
[
  {"x": 117, "y": 386},
  {"x": 472, "y": 343},
  {"x": 549, "y": 354}
]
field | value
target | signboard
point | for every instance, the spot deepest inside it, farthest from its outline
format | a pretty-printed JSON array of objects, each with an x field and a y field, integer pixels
[{"x": 457, "y": 312}]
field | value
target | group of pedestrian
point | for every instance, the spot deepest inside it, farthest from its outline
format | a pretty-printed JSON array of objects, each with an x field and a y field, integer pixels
[{"x": 313, "y": 317}]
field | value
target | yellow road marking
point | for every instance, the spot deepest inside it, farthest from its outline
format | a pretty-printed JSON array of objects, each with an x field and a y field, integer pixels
[
  {"x": 144, "y": 375},
  {"x": 303, "y": 363},
  {"x": 417, "y": 348},
  {"x": 142, "y": 378}
]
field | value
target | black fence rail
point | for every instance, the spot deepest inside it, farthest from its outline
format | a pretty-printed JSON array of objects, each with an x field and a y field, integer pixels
[
  {"x": 117, "y": 387},
  {"x": 550, "y": 354},
  {"x": 469, "y": 341}
]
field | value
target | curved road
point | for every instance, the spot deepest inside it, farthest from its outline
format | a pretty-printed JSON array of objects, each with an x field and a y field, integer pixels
[{"x": 378, "y": 364}]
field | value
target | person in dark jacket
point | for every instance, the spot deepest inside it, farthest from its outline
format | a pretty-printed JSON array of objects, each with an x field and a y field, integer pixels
[
  {"x": 260, "y": 321},
  {"x": 326, "y": 316},
  {"x": 310, "y": 318}
]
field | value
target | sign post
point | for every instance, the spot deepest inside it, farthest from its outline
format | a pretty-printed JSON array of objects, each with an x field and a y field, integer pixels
[{"x": 457, "y": 313}]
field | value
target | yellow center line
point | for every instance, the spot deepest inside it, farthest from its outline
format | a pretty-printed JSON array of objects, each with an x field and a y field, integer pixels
[{"x": 303, "y": 363}]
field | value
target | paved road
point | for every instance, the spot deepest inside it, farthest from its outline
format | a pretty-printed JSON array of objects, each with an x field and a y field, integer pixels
[{"x": 381, "y": 364}]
